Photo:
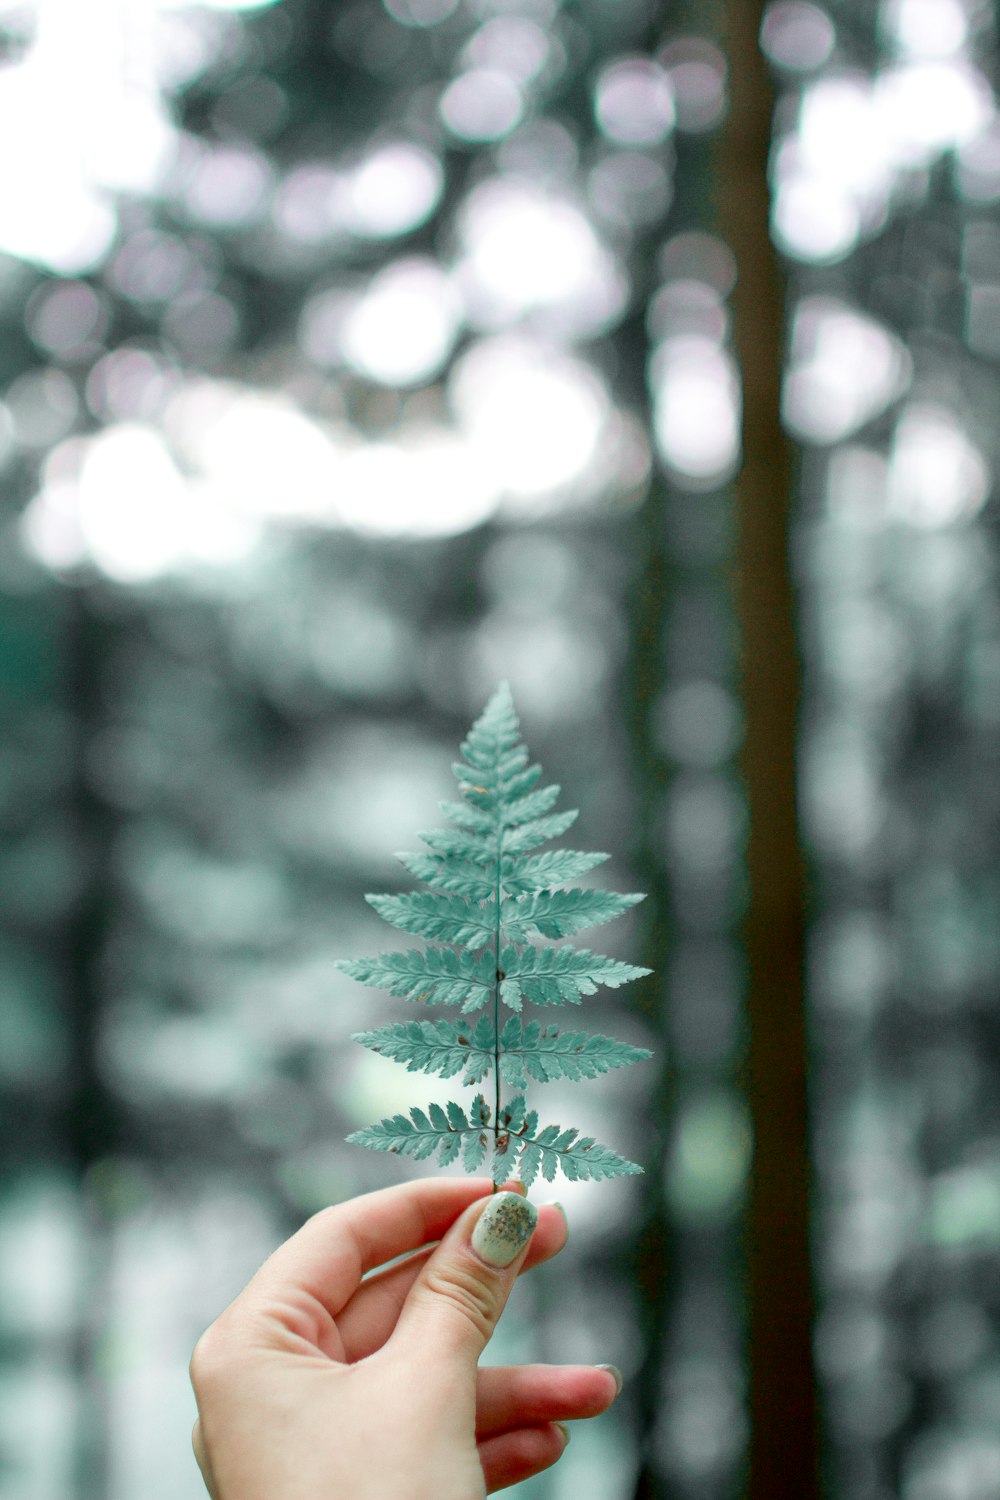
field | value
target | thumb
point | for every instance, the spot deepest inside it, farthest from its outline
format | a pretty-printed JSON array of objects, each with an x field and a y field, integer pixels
[{"x": 456, "y": 1301}]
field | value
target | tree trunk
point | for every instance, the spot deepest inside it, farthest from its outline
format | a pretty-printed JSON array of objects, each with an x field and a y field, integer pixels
[{"x": 783, "y": 1462}]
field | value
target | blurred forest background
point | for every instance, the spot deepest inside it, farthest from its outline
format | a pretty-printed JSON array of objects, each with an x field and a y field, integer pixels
[{"x": 357, "y": 354}]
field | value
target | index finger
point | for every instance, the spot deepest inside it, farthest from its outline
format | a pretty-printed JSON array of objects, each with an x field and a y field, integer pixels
[{"x": 334, "y": 1249}]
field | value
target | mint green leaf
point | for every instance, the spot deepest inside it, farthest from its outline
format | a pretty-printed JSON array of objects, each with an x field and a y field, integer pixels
[
  {"x": 511, "y": 1116},
  {"x": 537, "y": 831},
  {"x": 503, "y": 813},
  {"x": 518, "y": 779},
  {"x": 447, "y": 918},
  {"x": 512, "y": 765},
  {"x": 424, "y": 1134},
  {"x": 523, "y": 809},
  {"x": 468, "y": 815},
  {"x": 478, "y": 1138},
  {"x": 542, "y": 871},
  {"x": 544, "y": 1054},
  {"x": 497, "y": 786},
  {"x": 506, "y": 1146},
  {"x": 503, "y": 1159},
  {"x": 511, "y": 994},
  {"x": 436, "y": 975},
  {"x": 552, "y": 976},
  {"x": 435, "y": 1047},
  {"x": 578, "y": 1157},
  {"x": 457, "y": 841},
  {"x": 494, "y": 734},
  {"x": 556, "y": 914},
  {"x": 478, "y": 784},
  {"x": 447, "y": 874}
]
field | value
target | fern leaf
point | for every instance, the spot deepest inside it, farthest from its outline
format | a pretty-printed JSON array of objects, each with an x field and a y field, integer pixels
[
  {"x": 476, "y": 783},
  {"x": 539, "y": 872},
  {"x": 456, "y": 841},
  {"x": 552, "y": 976},
  {"x": 433, "y": 1133},
  {"x": 512, "y": 765},
  {"x": 436, "y": 1047},
  {"x": 533, "y": 805},
  {"x": 447, "y": 874},
  {"x": 447, "y": 918},
  {"x": 519, "y": 780},
  {"x": 487, "y": 788},
  {"x": 477, "y": 1139},
  {"x": 468, "y": 815},
  {"x": 435, "y": 975},
  {"x": 556, "y": 914},
  {"x": 494, "y": 736},
  {"x": 521, "y": 1146},
  {"x": 531, "y": 1051},
  {"x": 483, "y": 878},
  {"x": 538, "y": 831}
]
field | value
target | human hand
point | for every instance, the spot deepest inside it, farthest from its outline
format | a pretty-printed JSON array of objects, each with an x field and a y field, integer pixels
[{"x": 317, "y": 1384}]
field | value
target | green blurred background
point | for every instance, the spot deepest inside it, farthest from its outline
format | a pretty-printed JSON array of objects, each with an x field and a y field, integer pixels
[{"x": 357, "y": 354}]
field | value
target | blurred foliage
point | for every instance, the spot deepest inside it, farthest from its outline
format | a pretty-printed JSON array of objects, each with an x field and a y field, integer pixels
[{"x": 355, "y": 356}]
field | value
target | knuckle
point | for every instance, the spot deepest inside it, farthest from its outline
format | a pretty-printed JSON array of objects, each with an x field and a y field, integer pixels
[
  {"x": 208, "y": 1359},
  {"x": 463, "y": 1287}
]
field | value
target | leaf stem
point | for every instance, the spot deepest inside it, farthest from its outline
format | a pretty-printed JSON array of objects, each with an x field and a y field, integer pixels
[{"x": 496, "y": 995}]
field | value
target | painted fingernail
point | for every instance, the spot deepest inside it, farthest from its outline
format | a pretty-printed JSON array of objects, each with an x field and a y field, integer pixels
[
  {"x": 556, "y": 1204},
  {"x": 503, "y": 1229},
  {"x": 614, "y": 1370},
  {"x": 564, "y": 1430}
]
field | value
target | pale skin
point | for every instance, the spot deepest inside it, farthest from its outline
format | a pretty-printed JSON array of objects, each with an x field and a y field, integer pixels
[{"x": 316, "y": 1384}]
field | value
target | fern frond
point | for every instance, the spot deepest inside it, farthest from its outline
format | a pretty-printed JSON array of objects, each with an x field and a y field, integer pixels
[
  {"x": 492, "y": 742},
  {"x": 538, "y": 872},
  {"x": 436, "y": 1047},
  {"x": 439, "y": 1131},
  {"x": 518, "y": 780},
  {"x": 522, "y": 1147},
  {"x": 468, "y": 815},
  {"x": 538, "y": 831},
  {"x": 544, "y": 1053},
  {"x": 522, "y": 809},
  {"x": 457, "y": 841},
  {"x": 554, "y": 976},
  {"x": 490, "y": 899},
  {"x": 446, "y": 874},
  {"x": 446, "y": 918},
  {"x": 484, "y": 787},
  {"x": 435, "y": 975},
  {"x": 556, "y": 914}
]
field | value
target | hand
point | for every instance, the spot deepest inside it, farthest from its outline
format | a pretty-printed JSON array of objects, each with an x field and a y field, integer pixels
[{"x": 316, "y": 1384}]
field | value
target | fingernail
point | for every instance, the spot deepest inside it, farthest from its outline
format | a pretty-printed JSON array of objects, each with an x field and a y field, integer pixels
[
  {"x": 614, "y": 1370},
  {"x": 503, "y": 1229},
  {"x": 564, "y": 1430},
  {"x": 556, "y": 1204}
]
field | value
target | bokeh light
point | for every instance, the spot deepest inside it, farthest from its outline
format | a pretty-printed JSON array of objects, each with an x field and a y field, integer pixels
[{"x": 355, "y": 358}]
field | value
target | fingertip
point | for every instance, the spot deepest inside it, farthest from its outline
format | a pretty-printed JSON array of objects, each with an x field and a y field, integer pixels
[
  {"x": 561, "y": 1222},
  {"x": 511, "y": 1457},
  {"x": 557, "y": 1205},
  {"x": 616, "y": 1376}
]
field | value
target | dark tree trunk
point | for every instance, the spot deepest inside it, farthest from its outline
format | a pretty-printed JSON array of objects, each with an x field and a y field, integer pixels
[{"x": 783, "y": 1441}]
